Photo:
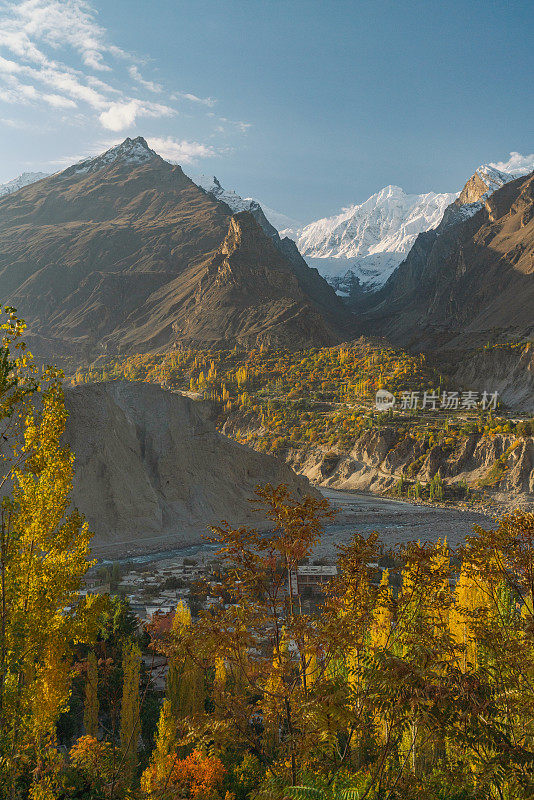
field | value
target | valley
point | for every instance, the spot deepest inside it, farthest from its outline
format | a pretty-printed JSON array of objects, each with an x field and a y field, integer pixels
[
  {"x": 266, "y": 400},
  {"x": 154, "y": 580},
  {"x": 316, "y": 410},
  {"x": 131, "y": 274}
]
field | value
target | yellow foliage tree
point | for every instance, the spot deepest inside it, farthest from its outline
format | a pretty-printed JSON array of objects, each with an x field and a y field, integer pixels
[
  {"x": 90, "y": 712},
  {"x": 43, "y": 555},
  {"x": 165, "y": 747},
  {"x": 130, "y": 719},
  {"x": 185, "y": 679}
]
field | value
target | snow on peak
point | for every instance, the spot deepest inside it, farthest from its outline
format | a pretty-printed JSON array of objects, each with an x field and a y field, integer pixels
[
  {"x": 366, "y": 241},
  {"x": 363, "y": 244},
  {"x": 388, "y": 221},
  {"x": 517, "y": 165},
  {"x": 492, "y": 177},
  {"x": 22, "y": 180},
  {"x": 130, "y": 151},
  {"x": 237, "y": 203},
  {"x": 212, "y": 186},
  {"x": 473, "y": 197}
]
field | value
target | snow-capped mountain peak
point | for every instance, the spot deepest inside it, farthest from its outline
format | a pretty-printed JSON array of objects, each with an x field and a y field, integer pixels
[
  {"x": 492, "y": 177},
  {"x": 364, "y": 243},
  {"x": 212, "y": 185},
  {"x": 388, "y": 221},
  {"x": 485, "y": 180},
  {"x": 130, "y": 151},
  {"x": 22, "y": 180}
]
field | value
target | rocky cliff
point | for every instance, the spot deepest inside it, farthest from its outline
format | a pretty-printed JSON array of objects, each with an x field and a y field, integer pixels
[
  {"x": 496, "y": 467},
  {"x": 501, "y": 466}
]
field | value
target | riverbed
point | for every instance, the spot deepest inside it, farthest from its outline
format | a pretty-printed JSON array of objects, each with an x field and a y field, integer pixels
[{"x": 396, "y": 522}]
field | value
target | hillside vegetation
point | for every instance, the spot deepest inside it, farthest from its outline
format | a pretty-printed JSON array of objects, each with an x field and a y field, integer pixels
[
  {"x": 316, "y": 407},
  {"x": 324, "y": 395}
]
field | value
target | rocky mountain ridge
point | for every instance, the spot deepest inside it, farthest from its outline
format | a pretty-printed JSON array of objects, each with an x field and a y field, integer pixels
[
  {"x": 468, "y": 282},
  {"x": 211, "y": 184},
  {"x": 359, "y": 248},
  {"x": 117, "y": 253}
]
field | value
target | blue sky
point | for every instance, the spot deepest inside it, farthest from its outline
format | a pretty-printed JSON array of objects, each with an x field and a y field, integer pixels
[{"x": 307, "y": 105}]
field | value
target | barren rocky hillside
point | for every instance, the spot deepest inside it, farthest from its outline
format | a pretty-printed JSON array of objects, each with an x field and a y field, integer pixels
[{"x": 153, "y": 473}]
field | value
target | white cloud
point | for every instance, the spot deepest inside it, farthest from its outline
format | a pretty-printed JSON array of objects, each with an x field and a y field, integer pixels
[
  {"x": 517, "y": 163},
  {"x": 16, "y": 124},
  {"x": 34, "y": 32},
  {"x": 241, "y": 126},
  {"x": 58, "y": 101},
  {"x": 58, "y": 23},
  {"x": 182, "y": 152},
  {"x": 55, "y": 54},
  {"x": 150, "y": 85},
  {"x": 119, "y": 115},
  {"x": 204, "y": 101},
  {"x": 122, "y": 115}
]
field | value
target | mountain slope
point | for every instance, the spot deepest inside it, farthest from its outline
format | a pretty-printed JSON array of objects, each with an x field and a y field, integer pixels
[
  {"x": 469, "y": 281},
  {"x": 144, "y": 468},
  {"x": 113, "y": 254}
]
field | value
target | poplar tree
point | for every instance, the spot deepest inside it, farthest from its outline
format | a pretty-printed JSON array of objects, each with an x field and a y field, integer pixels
[
  {"x": 43, "y": 554},
  {"x": 185, "y": 679},
  {"x": 90, "y": 713},
  {"x": 162, "y": 760},
  {"x": 130, "y": 711},
  {"x": 382, "y": 617}
]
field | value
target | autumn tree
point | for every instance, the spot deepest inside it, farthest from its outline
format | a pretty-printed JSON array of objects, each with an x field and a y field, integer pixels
[
  {"x": 197, "y": 776},
  {"x": 44, "y": 548},
  {"x": 90, "y": 715},
  {"x": 130, "y": 712},
  {"x": 185, "y": 679},
  {"x": 260, "y": 635},
  {"x": 495, "y": 606}
]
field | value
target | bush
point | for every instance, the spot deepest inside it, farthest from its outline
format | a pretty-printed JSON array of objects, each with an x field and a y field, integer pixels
[{"x": 525, "y": 428}]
